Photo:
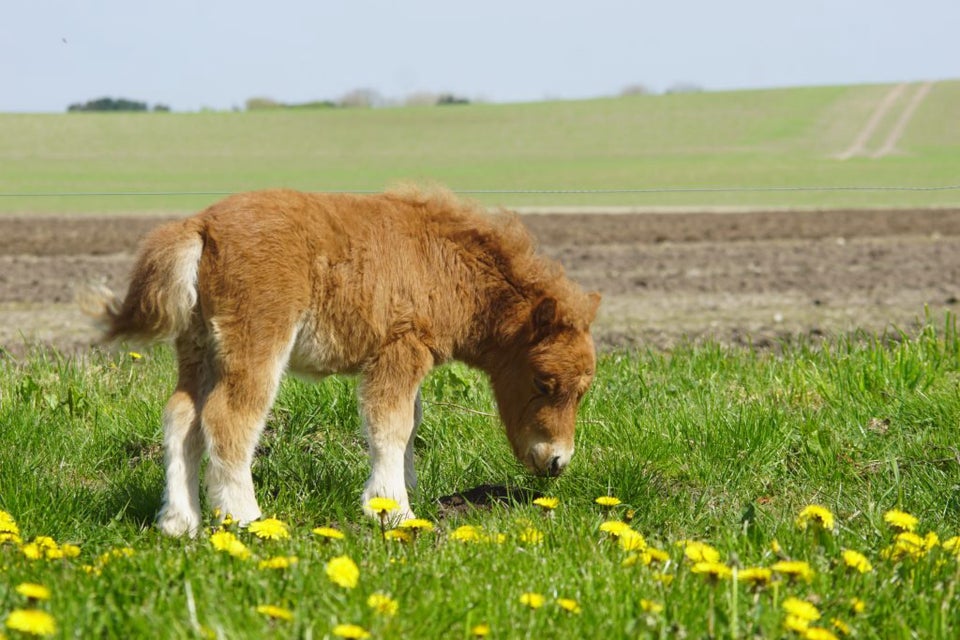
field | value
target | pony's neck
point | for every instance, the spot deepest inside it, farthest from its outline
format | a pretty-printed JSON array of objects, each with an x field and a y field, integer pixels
[{"x": 499, "y": 317}]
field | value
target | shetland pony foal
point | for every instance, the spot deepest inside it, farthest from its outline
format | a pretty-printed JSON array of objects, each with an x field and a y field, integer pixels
[{"x": 383, "y": 286}]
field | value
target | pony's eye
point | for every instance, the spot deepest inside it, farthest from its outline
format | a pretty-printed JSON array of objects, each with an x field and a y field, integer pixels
[{"x": 542, "y": 386}]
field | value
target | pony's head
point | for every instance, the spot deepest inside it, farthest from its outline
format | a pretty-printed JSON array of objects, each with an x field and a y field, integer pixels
[{"x": 542, "y": 380}]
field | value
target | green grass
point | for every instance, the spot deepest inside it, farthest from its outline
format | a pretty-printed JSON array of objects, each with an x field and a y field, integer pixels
[
  {"x": 772, "y": 138},
  {"x": 723, "y": 445}
]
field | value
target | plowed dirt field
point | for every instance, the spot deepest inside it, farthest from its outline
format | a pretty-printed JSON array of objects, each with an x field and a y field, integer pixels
[{"x": 747, "y": 277}]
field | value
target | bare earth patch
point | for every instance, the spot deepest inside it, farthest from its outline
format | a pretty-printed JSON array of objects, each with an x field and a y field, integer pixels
[{"x": 752, "y": 277}]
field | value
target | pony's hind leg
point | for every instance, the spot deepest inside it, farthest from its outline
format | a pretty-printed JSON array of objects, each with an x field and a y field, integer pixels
[
  {"x": 233, "y": 418},
  {"x": 183, "y": 448},
  {"x": 409, "y": 471}
]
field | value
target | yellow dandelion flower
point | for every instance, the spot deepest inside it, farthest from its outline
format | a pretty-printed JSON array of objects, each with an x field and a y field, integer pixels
[
  {"x": 657, "y": 555},
  {"x": 905, "y": 545},
  {"x": 32, "y": 622},
  {"x": 700, "y": 552},
  {"x": 931, "y": 540},
  {"x": 952, "y": 545},
  {"x": 383, "y": 604},
  {"x": 54, "y": 554},
  {"x": 819, "y": 633},
  {"x": 350, "y": 631},
  {"x": 712, "y": 570},
  {"x": 343, "y": 572},
  {"x": 329, "y": 533},
  {"x": 278, "y": 562},
  {"x": 755, "y": 576},
  {"x": 900, "y": 520},
  {"x": 776, "y": 548},
  {"x": 269, "y": 529},
  {"x": 857, "y": 605},
  {"x": 274, "y": 612},
  {"x": 642, "y": 558},
  {"x": 531, "y": 536},
  {"x": 794, "y": 569},
  {"x": 548, "y": 504},
  {"x": 229, "y": 543},
  {"x": 8, "y": 524},
  {"x": 417, "y": 524},
  {"x": 840, "y": 626},
  {"x": 614, "y": 527},
  {"x": 666, "y": 579},
  {"x": 801, "y": 609},
  {"x": 31, "y": 551},
  {"x": 45, "y": 542},
  {"x": 398, "y": 535},
  {"x": 481, "y": 630},
  {"x": 33, "y": 591},
  {"x": 630, "y": 540},
  {"x": 650, "y": 606},
  {"x": 383, "y": 506},
  {"x": 221, "y": 540},
  {"x": 569, "y": 605},
  {"x": 135, "y": 355},
  {"x": 607, "y": 501},
  {"x": 856, "y": 560},
  {"x": 816, "y": 515},
  {"x": 69, "y": 550},
  {"x": 467, "y": 533},
  {"x": 120, "y": 552},
  {"x": 796, "y": 624},
  {"x": 12, "y": 538},
  {"x": 532, "y": 600}
]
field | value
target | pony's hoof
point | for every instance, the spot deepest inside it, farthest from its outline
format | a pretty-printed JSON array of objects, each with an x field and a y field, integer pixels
[{"x": 178, "y": 524}]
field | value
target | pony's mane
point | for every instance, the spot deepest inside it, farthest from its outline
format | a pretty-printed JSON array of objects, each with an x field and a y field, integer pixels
[{"x": 499, "y": 239}]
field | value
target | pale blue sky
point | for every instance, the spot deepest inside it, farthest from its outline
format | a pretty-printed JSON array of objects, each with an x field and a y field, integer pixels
[{"x": 217, "y": 53}]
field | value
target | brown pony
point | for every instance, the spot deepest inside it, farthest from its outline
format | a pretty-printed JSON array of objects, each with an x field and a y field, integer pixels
[{"x": 384, "y": 286}]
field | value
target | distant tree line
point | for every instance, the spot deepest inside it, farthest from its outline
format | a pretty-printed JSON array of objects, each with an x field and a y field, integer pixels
[
  {"x": 358, "y": 99},
  {"x": 115, "y": 104}
]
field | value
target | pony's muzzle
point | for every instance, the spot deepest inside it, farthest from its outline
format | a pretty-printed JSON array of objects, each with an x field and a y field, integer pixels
[{"x": 547, "y": 459}]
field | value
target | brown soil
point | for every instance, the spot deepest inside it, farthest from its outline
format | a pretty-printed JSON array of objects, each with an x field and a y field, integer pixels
[{"x": 754, "y": 277}]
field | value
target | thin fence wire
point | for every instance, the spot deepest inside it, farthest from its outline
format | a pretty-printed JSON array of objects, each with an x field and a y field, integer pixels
[{"x": 561, "y": 192}]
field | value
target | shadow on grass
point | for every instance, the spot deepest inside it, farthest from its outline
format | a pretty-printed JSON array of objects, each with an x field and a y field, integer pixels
[{"x": 485, "y": 497}]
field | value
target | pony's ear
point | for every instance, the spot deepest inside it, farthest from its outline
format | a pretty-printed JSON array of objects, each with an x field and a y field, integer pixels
[{"x": 544, "y": 316}]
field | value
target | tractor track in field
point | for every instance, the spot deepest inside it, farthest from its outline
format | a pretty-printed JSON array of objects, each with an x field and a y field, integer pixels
[{"x": 745, "y": 277}]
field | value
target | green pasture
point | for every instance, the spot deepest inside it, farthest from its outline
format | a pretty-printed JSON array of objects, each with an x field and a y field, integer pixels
[
  {"x": 712, "y": 444},
  {"x": 719, "y": 140}
]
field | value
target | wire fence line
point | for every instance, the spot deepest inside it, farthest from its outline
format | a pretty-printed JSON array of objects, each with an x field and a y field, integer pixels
[{"x": 562, "y": 192}]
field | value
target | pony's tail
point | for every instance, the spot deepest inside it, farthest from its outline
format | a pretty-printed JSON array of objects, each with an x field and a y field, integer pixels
[{"x": 162, "y": 296}]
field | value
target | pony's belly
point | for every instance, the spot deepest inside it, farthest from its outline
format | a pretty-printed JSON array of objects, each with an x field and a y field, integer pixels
[{"x": 318, "y": 351}]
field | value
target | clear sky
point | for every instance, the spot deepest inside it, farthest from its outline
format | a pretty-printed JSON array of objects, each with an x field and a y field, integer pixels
[{"x": 191, "y": 54}]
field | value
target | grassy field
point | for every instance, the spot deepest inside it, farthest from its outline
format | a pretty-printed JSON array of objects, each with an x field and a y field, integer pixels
[
  {"x": 709, "y": 444},
  {"x": 761, "y": 139}
]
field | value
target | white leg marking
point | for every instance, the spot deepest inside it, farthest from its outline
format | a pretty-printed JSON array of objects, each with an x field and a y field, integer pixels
[
  {"x": 230, "y": 488},
  {"x": 386, "y": 481},
  {"x": 180, "y": 513}
]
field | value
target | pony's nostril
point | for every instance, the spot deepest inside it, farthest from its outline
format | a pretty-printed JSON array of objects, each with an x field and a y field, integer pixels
[{"x": 555, "y": 467}]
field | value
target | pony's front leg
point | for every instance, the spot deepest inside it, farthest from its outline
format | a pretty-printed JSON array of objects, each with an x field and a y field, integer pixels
[{"x": 389, "y": 407}]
